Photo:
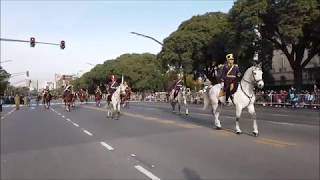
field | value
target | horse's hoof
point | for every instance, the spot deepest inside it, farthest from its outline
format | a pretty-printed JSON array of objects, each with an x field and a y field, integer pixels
[
  {"x": 255, "y": 134},
  {"x": 238, "y": 132},
  {"x": 218, "y": 128}
]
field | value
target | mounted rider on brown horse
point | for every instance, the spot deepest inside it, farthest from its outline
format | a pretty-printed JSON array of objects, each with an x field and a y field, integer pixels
[
  {"x": 46, "y": 97},
  {"x": 98, "y": 96},
  {"x": 83, "y": 95},
  {"x": 126, "y": 98},
  {"x": 68, "y": 97}
]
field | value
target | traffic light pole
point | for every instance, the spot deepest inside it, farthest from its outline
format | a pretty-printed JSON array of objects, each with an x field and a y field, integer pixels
[{"x": 17, "y": 40}]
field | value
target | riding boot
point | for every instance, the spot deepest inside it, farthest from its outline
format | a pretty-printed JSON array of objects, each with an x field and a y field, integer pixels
[{"x": 227, "y": 97}]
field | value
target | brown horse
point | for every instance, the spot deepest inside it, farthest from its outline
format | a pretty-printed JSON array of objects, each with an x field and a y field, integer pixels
[
  {"x": 126, "y": 98},
  {"x": 46, "y": 98},
  {"x": 68, "y": 98},
  {"x": 98, "y": 97},
  {"x": 83, "y": 95}
]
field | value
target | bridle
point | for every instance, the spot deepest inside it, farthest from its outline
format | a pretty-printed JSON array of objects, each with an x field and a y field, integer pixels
[{"x": 255, "y": 82}]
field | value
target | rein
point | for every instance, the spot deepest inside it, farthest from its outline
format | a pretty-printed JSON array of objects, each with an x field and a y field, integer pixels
[{"x": 250, "y": 98}]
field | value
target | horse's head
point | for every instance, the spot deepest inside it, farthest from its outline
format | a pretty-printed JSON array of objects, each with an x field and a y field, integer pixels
[{"x": 257, "y": 75}]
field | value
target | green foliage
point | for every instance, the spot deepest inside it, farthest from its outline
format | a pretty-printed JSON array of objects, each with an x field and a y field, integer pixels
[
  {"x": 290, "y": 25},
  {"x": 197, "y": 44},
  {"x": 141, "y": 71},
  {"x": 4, "y": 76}
]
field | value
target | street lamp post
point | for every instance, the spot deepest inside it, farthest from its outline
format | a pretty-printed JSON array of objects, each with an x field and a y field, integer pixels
[
  {"x": 154, "y": 39},
  {"x": 157, "y": 41},
  {"x": 90, "y": 64},
  {"x": 257, "y": 38}
]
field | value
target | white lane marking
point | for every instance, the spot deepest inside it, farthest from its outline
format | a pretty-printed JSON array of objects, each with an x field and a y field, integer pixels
[
  {"x": 283, "y": 123},
  {"x": 8, "y": 113},
  {"x": 110, "y": 148},
  {"x": 279, "y": 115},
  {"x": 62, "y": 116},
  {"x": 75, "y": 124},
  {"x": 68, "y": 119},
  {"x": 146, "y": 172},
  {"x": 87, "y": 132},
  {"x": 133, "y": 155}
]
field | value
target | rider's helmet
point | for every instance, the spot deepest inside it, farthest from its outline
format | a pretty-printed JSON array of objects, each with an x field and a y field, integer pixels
[
  {"x": 230, "y": 59},
  {"x": 179, "y": 76}
]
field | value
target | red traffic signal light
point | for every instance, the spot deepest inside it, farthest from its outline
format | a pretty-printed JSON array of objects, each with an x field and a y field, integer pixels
[
  {"x": 32, "y": 42},
  {"x": 62, "y": 45}
]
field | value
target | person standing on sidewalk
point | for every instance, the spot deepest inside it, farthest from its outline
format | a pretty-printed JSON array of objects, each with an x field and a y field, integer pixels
[{"x": 17, "y": 101}]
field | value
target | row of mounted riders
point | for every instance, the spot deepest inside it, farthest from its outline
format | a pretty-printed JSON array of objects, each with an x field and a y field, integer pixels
[
  {"x": 69, "y": 97},
  {"x": 240, "y": 90}
]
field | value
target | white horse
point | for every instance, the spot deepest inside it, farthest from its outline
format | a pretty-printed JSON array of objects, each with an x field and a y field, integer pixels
[
  {"x": 181, "y": 98},
  {"x": 113, "y": 107},
  {"x": 243, "y": 97}
]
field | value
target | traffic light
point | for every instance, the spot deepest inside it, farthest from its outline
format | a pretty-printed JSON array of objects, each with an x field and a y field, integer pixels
[
  {"x": 32, "y": 42},
  {"x": 27, "y": 73},
  {"x": 62, "y": 44}
]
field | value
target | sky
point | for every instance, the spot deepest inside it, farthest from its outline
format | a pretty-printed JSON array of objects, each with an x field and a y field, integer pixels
[{"x": 94, "y": 31}]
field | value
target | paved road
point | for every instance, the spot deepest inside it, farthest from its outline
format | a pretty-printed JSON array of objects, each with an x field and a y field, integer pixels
[{"x": 150, "y": 142}]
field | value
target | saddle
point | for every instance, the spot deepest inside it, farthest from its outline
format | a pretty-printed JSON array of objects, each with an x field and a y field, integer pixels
[{"x": 233, "y": 89}]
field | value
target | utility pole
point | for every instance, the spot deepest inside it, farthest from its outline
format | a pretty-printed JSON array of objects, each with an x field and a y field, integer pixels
[{"x": 37, "y": 86}]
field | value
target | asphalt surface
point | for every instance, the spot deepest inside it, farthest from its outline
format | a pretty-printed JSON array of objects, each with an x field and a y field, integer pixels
[{"x": 151, "y": 142}]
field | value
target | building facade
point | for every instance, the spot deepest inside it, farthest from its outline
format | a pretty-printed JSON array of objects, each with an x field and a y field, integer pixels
[
  {"x": 62, "y": 80},
  {"x": 282, "y": 72}
]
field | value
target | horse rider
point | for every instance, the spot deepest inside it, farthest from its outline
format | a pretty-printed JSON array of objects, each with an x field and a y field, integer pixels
[
  {"x": 112, "y": 87},
  {"x": 98, "y": 90},
  {"x": 230, "y": 75},
  {"x": 46, "y": 91},
  {"x": 68, "y": 88},
  {"x": 177, "y": 85}
]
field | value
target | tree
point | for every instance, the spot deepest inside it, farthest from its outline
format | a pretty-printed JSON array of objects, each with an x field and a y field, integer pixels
[
  {"x": 141, "y": 71},
  {"x": 4, "y": 76},
  {"x": 293, "y": 26},
  {"x": 197, "y": 45}
]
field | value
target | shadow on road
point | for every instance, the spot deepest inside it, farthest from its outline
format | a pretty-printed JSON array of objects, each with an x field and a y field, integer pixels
[{"x": 190, "y": 174}]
